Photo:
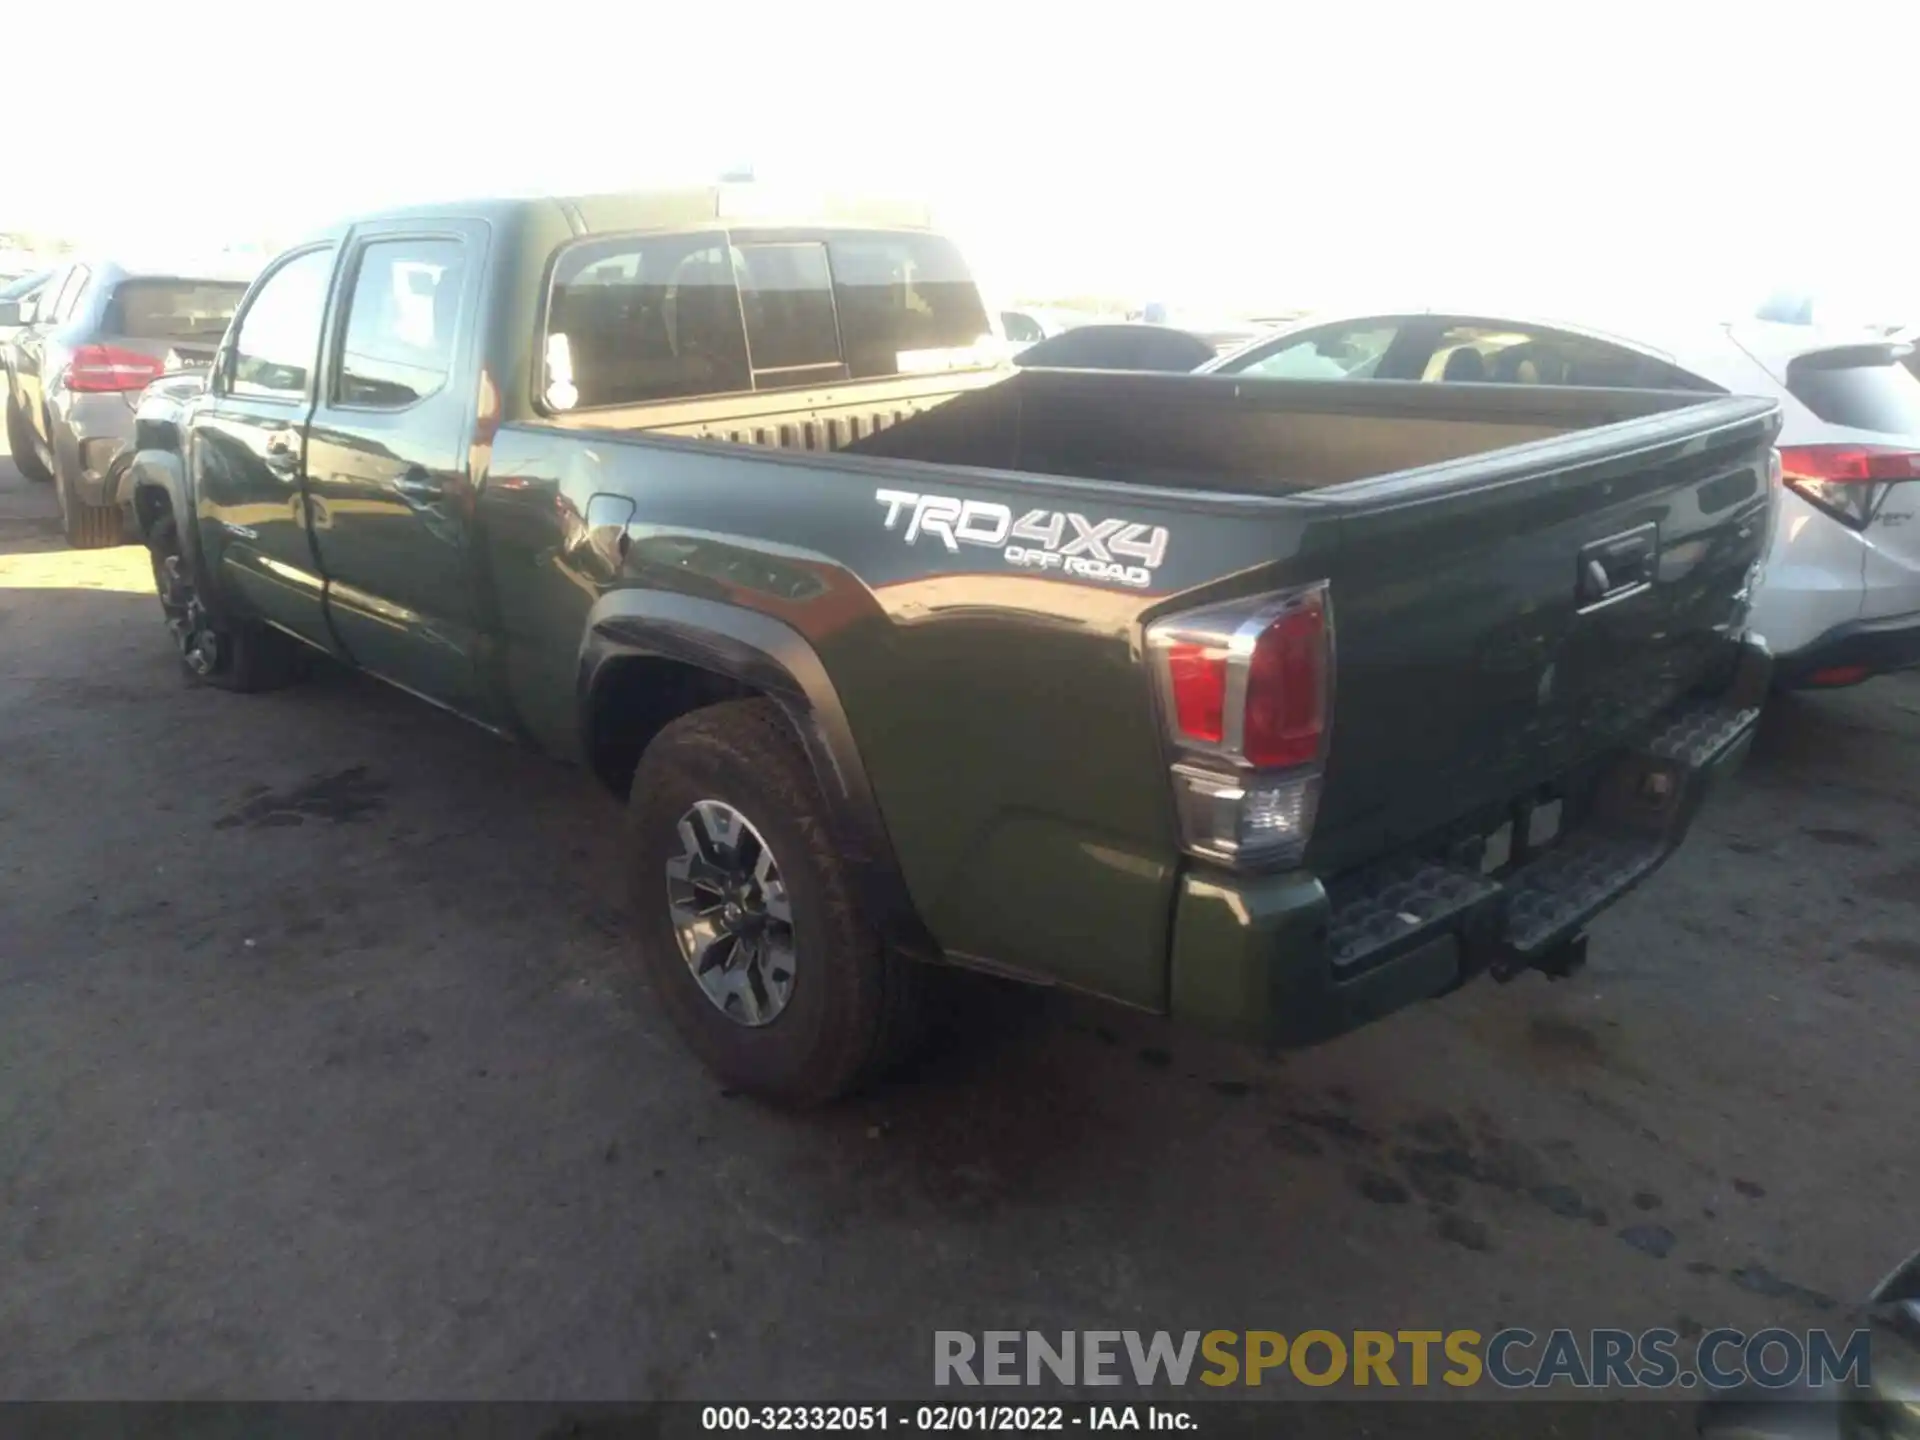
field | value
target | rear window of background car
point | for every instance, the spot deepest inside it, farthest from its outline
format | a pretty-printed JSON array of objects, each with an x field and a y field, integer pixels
[
  {"x": 1883, "y": 397},
  {"x": 671, "y": 316},
  {"x": 171, "y": 309}
]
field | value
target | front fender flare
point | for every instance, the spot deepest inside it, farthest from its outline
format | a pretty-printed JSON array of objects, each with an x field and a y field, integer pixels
[
  {"x": 771, "y": 657},
  {"x": 156, "y": 484}
]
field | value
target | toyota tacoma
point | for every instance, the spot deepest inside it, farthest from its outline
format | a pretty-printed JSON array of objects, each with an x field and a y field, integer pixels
[{"x": 1271, "y": 706}]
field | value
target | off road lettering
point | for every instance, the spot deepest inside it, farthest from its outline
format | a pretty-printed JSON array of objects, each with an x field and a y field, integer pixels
[{"x": 1088, "y": 549}]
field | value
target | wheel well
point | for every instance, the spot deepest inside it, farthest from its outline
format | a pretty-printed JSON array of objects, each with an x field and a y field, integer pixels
[
  {"x": 150, "y": 506},
  {"x": 635, "y": 698}
]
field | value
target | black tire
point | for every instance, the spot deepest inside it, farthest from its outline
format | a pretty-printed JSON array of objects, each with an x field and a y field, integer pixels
[
  {"x": 248, "y": 657},
  {"x": 854, "y": 1010},
  {"x": 21, "y": 444},
  {"x": 87, "y": 527}
]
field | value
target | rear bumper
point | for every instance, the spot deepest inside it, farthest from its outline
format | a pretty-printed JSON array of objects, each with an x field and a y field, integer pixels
[
  {"x": 1289, "y": 960},
  {"x": 1850, "y": 653},
  {"x": 94, "y": 440}
]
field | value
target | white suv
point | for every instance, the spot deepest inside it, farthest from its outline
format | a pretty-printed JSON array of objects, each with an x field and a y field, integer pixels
[{"x": 1840, "y": 601}]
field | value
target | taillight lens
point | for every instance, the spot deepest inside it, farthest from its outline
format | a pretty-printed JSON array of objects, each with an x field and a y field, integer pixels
[
  {"x": 1245, "y": 690},
  {"x": 1847, "y": 481},
  {"x": 1287, "y": 688},
  {"x": 1197, "y": 678},
  {"x": 102, "y": 369}
]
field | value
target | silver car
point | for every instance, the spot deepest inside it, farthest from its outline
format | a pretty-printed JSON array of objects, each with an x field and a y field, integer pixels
[
  {"x": 1840, "y": 601},
  {"x": 91, "y": 339}
]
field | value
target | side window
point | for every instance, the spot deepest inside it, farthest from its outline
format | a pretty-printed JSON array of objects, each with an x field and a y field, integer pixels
[
  {"x": 1480, "y": 354},
  {"x": 279, "y": 337},
  {"x": 1348, "y": 352},
  {"x": 401, "y": 323},
  {"x": 68, "y": 297},
  {"x": 1511, "y": 355},
  {"x": 1021, "y": 329}
]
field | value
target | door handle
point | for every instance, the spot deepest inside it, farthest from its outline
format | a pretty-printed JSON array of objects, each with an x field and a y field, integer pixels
[
  {"x": 416, "y": 484},
  {"x": 283, "y": 453}
]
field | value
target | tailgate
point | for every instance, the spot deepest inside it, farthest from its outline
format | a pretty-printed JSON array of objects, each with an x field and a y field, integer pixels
[{"x": 1500, "y": 619}]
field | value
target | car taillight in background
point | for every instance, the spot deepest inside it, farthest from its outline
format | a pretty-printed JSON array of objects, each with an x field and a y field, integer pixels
[
  {"x": 104, "y": 369},
  {"x": 1847, "y": 481},
  {"x": 1246, "y": 694}
]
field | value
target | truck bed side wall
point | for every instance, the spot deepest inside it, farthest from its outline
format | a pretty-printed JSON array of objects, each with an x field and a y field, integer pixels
[{"x": 1002, "y": 715}]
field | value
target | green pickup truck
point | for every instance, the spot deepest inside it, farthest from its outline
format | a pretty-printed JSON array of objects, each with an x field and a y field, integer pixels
[{"x": 1270, "y": 706}]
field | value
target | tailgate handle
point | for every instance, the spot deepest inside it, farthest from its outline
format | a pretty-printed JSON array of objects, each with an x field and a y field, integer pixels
[{"x": 1616, "y": 567}]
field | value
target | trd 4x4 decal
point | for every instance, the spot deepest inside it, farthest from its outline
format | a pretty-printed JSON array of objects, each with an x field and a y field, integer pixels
[{"x": 1048, "y": 539}]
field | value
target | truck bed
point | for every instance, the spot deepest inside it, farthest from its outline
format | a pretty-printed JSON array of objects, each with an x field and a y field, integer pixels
[
  {"x": 1208, "y": 433},
  {"x": 1452, "y": 523}
]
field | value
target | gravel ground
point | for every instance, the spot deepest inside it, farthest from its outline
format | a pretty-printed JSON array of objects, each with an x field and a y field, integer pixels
[{"x": 324, "y": 1074}]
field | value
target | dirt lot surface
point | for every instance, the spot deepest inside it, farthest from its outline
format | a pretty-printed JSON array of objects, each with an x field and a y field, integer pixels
[{"x": 325, "y": 1074}]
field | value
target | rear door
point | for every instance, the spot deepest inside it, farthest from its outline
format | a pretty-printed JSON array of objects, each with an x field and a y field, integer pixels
[
  {"x": 247, "y": 447},
  {"x": 387, "y": 469}
]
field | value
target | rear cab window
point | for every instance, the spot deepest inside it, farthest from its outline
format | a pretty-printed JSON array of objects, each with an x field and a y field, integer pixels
[
  {"x": 632, "y": 319},
  {"x": 183, "y": 310}
]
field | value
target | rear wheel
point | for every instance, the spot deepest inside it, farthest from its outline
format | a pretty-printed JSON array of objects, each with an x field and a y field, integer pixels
[
  {"x": 22, "y": 445},
  {"x": 243, "y": 657},
  {"x": 87, "y": 527},
  {"x": 749, "y": 928}
]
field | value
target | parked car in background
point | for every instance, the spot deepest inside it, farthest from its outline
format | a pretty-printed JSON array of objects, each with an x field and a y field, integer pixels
[
  {"x": 18, "y": 290},
  {"x": 94, "y": 336},
  {"x": 1840, "y": 601},
  {"x": 1029, "y": 325},
  {"x": 1118, "y": 347},
  {"x": 1909, "y": 335}
]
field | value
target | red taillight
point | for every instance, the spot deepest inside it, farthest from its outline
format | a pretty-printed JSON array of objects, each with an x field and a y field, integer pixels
[
  {"x": 1197, "y": 675},
  {"x": 1287, "y": 688},
  {"x": 1848, "y": 464},
  {"x": 103, "y": 369},
  {"x": 1837, "y": 675},
  {"x": 1849, "y": 482},
  {"x": 1245, "y": 695}
]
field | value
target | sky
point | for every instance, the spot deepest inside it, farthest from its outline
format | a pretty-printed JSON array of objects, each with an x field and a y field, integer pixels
[{"x": 1215, "y": 157}]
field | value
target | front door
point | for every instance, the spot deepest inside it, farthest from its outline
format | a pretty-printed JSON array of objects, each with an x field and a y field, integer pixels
[
  {"x": 387, "y": 471},
  {"x": 248, "y": 449}
]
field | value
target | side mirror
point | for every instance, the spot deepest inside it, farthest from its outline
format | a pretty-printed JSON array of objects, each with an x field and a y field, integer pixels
[{"x": 10, "y": 312}]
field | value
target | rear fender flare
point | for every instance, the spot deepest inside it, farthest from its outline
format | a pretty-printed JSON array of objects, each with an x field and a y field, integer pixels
[{"x": 774, "y": 659}]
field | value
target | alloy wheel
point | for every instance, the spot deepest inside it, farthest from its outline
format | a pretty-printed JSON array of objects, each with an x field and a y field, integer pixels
[{"x": 731, "y": 914}]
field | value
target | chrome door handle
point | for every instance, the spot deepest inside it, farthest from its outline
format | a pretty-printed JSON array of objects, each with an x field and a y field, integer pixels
[
  {"x": 415, "y": 484},
  {"x": 283, "y": 453}
]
